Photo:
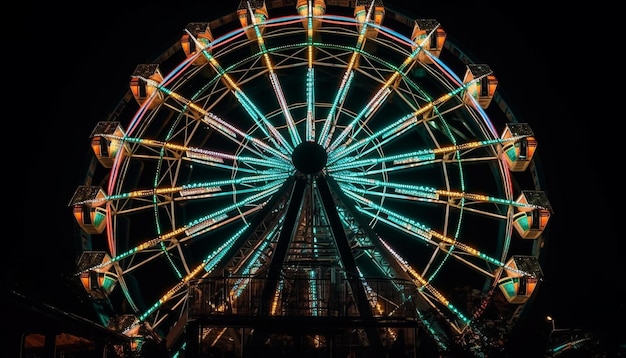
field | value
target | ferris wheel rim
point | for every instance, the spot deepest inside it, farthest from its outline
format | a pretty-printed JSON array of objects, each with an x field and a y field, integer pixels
[{"x": 163, "y": 162}]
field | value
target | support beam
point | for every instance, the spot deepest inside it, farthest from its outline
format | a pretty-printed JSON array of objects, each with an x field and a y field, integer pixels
[{"x": 362, "y": 303}]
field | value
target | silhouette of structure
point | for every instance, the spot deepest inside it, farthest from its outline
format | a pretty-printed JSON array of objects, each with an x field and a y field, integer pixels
[{"x": 286, "y": 180}]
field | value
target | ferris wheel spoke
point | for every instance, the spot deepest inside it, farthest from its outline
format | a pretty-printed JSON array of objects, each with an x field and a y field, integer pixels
[
  {"x": 438, "y": 300},
  {"x": 253, "y": 261},
  {"x": 338, "y": 160},
  {"x": 331, "y": 118},
  {"x": 373, "y": 105},
  {"x": 310, "y": 74},
  {"x": 310, "y": 103},
  {"x": 412, "y": 192},
  {"x": 188, "y": 191},
  {"x": 253, "y": 111},
  {"x": 340, "y": 153},
  {"x": 396, "y": 129},
  {"x": 425, "y": 288},
  {"x": 259, "y": 194},
  {"x": 179, "y": 289},
  {"x": 362, "y": 118},
  {"x": 346, "y": 81},
  {"x": 225, "y": 128},
  {"x": 255, "y": 114},
  {"x": 421, "y": 231},
  {"x": 195, "y": 228},
  {"x": 208, "y": 157},
  {"x": 217, "y": 123},
  {"x": 273, "y": 77}
]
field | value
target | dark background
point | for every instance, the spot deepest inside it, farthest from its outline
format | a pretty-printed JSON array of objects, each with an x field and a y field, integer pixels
[{"x": 72, "y": 63}]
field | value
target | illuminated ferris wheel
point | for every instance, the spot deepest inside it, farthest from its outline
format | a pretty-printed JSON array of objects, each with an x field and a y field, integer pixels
[{"x": 286, "y": 172}]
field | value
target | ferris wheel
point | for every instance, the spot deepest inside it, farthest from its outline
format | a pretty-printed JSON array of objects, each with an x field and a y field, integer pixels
[{"x": 354, "y": 169}]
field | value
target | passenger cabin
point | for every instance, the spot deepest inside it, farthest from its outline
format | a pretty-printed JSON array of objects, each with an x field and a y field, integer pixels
[
  {"x": 107, "y": 142},
  {"x": 361, "y": 10},
  {"x": 529, "y": 222},
  {"x": 197, "y": 38},
  {"x": 96, "y": 275},
  {"x": 144, "y": 84},
  {"x": 481, "y": 84},
  {"x": 429, "y": 37},
  {"x": 519, "y": 153},
  {"x": 523, "y": 274},
  {"x": 88, "y": 208},
  {"x": 318, "y": 9},
  {"x": 255, "y": 15}
]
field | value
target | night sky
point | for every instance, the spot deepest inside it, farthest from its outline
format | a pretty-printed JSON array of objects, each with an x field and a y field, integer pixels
[{"x": 75, "y": 65}]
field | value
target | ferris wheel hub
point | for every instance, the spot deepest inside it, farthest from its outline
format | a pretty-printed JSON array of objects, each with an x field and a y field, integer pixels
[{"x": 309, "y": 157}]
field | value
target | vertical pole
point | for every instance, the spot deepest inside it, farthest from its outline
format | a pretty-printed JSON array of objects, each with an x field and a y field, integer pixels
[{"x": 50, "y": 345}]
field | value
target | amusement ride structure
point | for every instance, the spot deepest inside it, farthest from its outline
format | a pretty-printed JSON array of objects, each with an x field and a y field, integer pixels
[{"x": 314, "y": 177}]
